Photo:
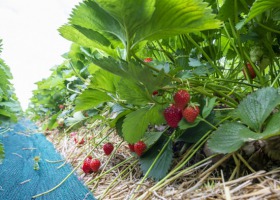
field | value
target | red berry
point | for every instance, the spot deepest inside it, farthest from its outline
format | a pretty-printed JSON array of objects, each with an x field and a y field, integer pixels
[
  {"x": 155, "y": 93},
  {"x": 139, "y": 147},
  {"x": 148, "y": 60},
  {"x": 78, "y": 140},
  {"x": 251, "y": 71},
  {"x": 61, "y": 107},
  {"x": 94, "y": 165},
  {"x": 86, "y": 165},
  {"x": 181, "y": 98},
  {"x": 108, "y": 148},
  {"x": 131, "y": 147},
  {"x": 172, "y": 115},
  {"x": 190, "y": 113}
]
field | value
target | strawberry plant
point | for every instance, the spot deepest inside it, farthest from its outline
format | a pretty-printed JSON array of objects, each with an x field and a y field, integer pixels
[
  {"x": 256, "y": 117},
  {"x": 139, "y": 72},
  {"x": 10, "y": 108}
]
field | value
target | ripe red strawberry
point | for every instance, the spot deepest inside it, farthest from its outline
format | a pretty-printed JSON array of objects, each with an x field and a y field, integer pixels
[
  {"x": 148, "y": 60},
  {"x": 172, "y": 115},
  {"x": 108, "y": 148},
  {"x": 79, "y": 140},
  {"x": 190, "y": 113},
  {"x": 131, "y": 147},
  {"x": 155, "y": 93},
  {"x": 251, "y": 71},
  {"x": 94, "y": 165},
  {"x": 181, "y": 98},
  {"x": 86, "y": 165},
  {"x": 139, "y": 147}
]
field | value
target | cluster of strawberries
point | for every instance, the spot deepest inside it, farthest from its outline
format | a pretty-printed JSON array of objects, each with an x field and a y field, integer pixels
[
  {"x": 181, "y": 108},
  {"x": 92, "y": 165}
]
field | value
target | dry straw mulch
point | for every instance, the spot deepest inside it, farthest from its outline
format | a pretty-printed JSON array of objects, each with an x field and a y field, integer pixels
[{"x": 120, "y": 175}]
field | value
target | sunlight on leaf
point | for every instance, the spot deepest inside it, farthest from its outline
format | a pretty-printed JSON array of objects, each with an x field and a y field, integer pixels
[{"x": 90, "y": 99}]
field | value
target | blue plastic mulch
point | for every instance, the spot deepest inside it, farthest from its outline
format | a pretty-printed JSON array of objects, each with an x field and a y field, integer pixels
[{"x": 19, "y": 180}]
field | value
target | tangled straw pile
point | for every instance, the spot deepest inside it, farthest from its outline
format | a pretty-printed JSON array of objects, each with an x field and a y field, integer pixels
[{"x": 120, "y": 176}]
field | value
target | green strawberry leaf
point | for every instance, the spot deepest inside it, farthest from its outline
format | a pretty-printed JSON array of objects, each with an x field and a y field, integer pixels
[
  {"x": 172, "y": 18},
  {"x": 117, "y": 67},
  {"x": 2, "y": 153},
  {"x": 228, "y": 12},
  {"x": 256, "y": 107},
  {"x": 150, "y": 138},
  {"x": 105, "y": 80},
  {"x": 183, "y": 124},
  {"x": 133, "y": 93},
  {"x": 163, "y": 163},
  {"x": 136, "y": 122},
  {"x": 130, "y": 14},
  {"x": 115, "y": 121},
  {"x": 6, "y": 112},
  {"x": 208, "y": 107},
  {"x": 192, "y": 135},
  {"x": 91, "y": 16},
  {"x": 128, "y": 23},
  {"x": 272, "y": 128},
  {"x": 119, "y": 125},
  {"x": 262, "y": 6},
  {"x": 53, "y": 121},
  {"x": 54, "y": 82},
  {"x": 86, "y": 38},
  {"x": 91, "y": 98},
  {"x": 229, "y": 137}
]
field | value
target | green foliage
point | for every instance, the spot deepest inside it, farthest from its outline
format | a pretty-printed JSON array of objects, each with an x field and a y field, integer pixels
[
  {"x": 163, "y": 162},
  {"x": 253, "y": 111},
  {"x": 230, "y": 137},
  {"x": 91, "y": 98},
  {"x": 131, "y": 22},
  {"x": 104, "y": 80},
  {"x": 136, "y": 123},
  {"x": 261, "y": 6},
  {"x": 150, "y": 138},
  {"x": 106, "y": 71},
  {"x": 9, "y": 105},
  {"x": 195, "y": 133}
]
